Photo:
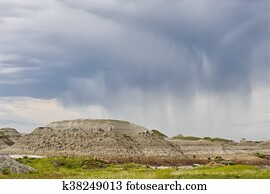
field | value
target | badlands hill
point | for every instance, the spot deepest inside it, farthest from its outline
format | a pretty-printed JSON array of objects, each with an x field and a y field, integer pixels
[
  {"x": 108, "y": 139},
  {"x": 121, "y": 141},
  {"x": 8, "y": 136},
  {"x": 252, "y": 153},
  {"x": 9, "y": 165}
]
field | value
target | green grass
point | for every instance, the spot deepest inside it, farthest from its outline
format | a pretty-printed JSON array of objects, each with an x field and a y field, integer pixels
[
  {"x": 260, "y": 155},
  {"x": 217, "y": 139},
  {"x": 62, "y": 167},
  {"x": 224, "y": 172},
  {"x": 194, "y": 138},
  {"x": 157, "y": 132},
  {"x": 187, "y": 137}
]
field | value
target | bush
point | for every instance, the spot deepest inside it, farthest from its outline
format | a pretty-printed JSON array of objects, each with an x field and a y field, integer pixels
[
  {"x": 93, "y": 163},
  {"x": 208, "y": 138},
  {"x": 158, "y": 133},
  {"x": 260, "y": 155},
  {"x": 70, "y": 163},
  {"x": 6, "y": 171},
  {"x": 187, "y": 138},
  {"x": 228, "y": 163},
  {"x": 218, "y": 159},
  {"x": 217, "y": 139}
]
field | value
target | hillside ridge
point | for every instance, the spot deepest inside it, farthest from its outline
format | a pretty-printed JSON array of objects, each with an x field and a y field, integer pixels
[{"x": 121, "y": 141}]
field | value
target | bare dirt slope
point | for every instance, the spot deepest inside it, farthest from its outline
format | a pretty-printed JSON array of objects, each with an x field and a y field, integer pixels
[
  {"x": 4, "y": 142},
  {"x": 107, "y": 139},
  {"x": 249, "y": 152},
  {"x": 9, "y": 165},
  {"x": 8, "y": 136},
  {"x": 122, "y": 141}
]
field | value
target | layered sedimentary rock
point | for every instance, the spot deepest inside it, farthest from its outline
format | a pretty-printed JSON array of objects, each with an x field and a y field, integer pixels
[
  {"x": 8, "y": 136},
  {"x": 109, "y": 139},
  {"x": 9, "y": 165},
  {"x": 248, "y": 152},
  {"x": 123, "y": 141},
  {"x": 4, "y": 143}
]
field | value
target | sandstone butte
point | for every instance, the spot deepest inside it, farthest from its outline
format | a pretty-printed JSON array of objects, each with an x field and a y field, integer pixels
[{"x": 121, "y": 141}]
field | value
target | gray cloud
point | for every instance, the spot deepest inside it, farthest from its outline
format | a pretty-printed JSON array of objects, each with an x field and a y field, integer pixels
[
  {"x": 147, "y": 44},
  {"x": 133, "y": 52}
]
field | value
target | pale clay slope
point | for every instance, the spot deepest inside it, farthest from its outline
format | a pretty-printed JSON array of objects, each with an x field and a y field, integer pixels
[
  {"x": 100, "y": 138},
  {"x": 13, "y": 166},
  {"x": 8, "y": 136},
  {"x": 4, "y": 143},
  {"x": 116, "y": 140},
  {"x": 95, "y": 125},
  {"x": 11, "y": 133},
  {"x": 203, "y": 149}
]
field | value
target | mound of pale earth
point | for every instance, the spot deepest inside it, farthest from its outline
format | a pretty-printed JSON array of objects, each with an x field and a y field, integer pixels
[
  {"x": 203, "y": 149},
  {"x": 106, "y": 139},
  {"x": 11, "y": 133},
  {"x": 122, "y": 141},
  {"x": 264, "y": 144},
  {"x": 9, "y": 165},
  {"x": 239, "y": 152},
  {"x": 5, "y": 142},
  {"x": 8, "y": 136}
]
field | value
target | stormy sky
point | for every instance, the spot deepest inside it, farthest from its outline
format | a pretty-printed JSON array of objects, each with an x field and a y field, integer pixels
[{"x": 181, "y": 66}]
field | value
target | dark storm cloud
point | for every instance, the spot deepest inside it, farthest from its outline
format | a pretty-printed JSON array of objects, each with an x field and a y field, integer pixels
[
  {"x": 201, "y": 67},
  {"x": 89, "y": 51}
]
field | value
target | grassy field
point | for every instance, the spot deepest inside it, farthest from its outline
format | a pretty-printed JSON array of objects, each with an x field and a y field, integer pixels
[
  {"x": 194, "y": 138},
  {"x": 92, "y": 168}
]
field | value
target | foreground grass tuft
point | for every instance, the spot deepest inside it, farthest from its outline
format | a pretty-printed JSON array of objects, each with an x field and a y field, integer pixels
[
  {"x": 62, "y": 167},
  {"x": 226, "y": 172}
]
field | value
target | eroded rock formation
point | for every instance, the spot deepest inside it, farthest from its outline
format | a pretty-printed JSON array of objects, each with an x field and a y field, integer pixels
[
  {"x": 9, "y": 165},
  {"x": 122, "y": 141},
  {"x": 8, "y": 136},
  {"x": 107, "y": 139}
]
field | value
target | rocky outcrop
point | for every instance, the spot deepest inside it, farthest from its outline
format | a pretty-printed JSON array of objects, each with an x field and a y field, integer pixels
[
  {"x": 264, "y": 144},
  {"x": 8, "y": 136},
  {"x": 122, "y": 141},
  {"x": 200, "y": 148},
  {"x": 244, "y": 152},
  {"x": 10, "y": 133},
  {"x": 11, "y": 166},
  {"x": 107, "y": 139},
  {"x": 3, "y": 144}
]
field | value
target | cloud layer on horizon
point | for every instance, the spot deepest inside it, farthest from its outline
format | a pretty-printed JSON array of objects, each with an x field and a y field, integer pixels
[{"x": 139, "y": 59}]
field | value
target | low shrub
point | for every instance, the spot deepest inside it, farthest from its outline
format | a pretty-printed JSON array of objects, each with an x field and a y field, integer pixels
[
  {"x": 260, "y": 155},
  {"x": 5, "y": 171}
]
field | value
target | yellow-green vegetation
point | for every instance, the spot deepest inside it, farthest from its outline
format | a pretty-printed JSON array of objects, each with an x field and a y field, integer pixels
[
  {"x": 200, "y": 138},
  {"x": 224, "y": 172},
  {"x": 157, "y": 132},
  {"x": 62, "y": 167},
  {"x": 217, "y": 139},
  {"x": 260, "y": 155},
  {"x": 187, "y": 137}
]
